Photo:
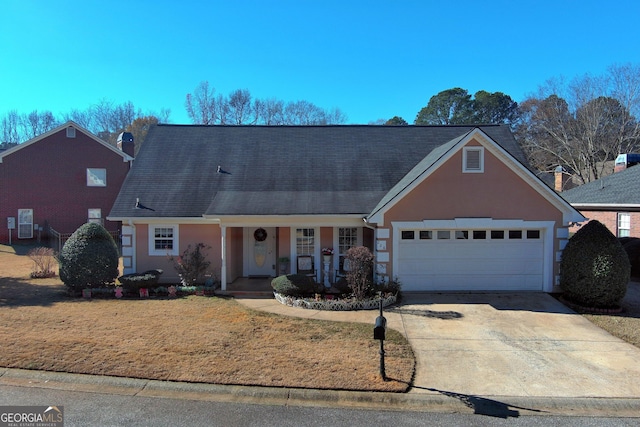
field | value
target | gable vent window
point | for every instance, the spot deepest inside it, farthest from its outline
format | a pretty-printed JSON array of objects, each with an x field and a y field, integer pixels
[
  {"x": 71, "y": 132},
  {"x": 473, "y": 160}
]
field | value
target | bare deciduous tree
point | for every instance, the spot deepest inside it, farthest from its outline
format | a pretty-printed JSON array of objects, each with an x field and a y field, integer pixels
[
  {"x": 584, "y": 124},
  {"x": 241, "y": 109},
  {"x": 84, "y": 118},
  {"x": 204, "y": 107},
  {"x": 269, "y": 111},
  {"x": 201, "y": 104},
  {"x": 34, "y": 123},
  {"x": 10, "y": 133}
]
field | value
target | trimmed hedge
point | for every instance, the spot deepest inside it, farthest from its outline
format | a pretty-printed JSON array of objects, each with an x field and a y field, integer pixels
[
  {"x": 148, "y": 279},
  {"x": 595, "y": 269},
  {"x": 89, "y": 258},
  {"x": 295, "y": 285}
]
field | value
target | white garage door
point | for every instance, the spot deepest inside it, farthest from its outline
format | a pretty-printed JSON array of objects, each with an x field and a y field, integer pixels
[{"x": 471, "y": 260}]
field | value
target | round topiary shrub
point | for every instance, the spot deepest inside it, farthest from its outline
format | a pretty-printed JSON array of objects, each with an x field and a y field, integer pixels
[
  {"x": 295, "y": 285},
  {"x": 89, "y": 258},
  {"x": 594, "y": 270}
]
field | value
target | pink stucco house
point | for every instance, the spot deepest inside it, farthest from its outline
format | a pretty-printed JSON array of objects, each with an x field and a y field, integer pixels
[
  {"x": 442, "y": 208},
  {"x": 58, "y": 180}
]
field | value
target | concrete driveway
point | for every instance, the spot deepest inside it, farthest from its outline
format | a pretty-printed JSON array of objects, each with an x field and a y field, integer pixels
[{"x": 500, "y": 344}]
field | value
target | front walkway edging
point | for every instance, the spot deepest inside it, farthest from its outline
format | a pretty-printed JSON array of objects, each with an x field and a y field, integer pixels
[{"x": 334, "y": 304}]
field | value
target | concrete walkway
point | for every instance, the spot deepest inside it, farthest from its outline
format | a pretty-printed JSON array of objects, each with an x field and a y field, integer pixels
[{"x": 520, "y": 345}]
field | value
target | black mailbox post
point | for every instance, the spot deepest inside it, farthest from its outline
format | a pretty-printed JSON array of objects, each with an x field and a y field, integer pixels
[
  {"x": 380, "y": 328},
  {"x": 379, "y": 332}
]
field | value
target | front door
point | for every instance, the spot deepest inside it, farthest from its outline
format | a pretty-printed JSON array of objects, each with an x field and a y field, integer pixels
[{"x": 261, "y": 245}]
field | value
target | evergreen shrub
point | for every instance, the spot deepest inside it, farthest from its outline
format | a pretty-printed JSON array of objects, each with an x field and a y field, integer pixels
[
  {"x": 295, "y": 285},
  {"x": 595, "y": 269},
  {"x": 89, "y": 258}
]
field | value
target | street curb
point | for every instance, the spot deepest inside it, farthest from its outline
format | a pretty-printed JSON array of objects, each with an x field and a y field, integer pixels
[{"x": 433, "y": 401}]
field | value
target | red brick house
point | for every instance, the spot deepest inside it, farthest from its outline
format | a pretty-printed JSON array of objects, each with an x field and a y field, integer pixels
[
  {"x": 613, "y": 200},
  {"x": 60, "y": 180}
]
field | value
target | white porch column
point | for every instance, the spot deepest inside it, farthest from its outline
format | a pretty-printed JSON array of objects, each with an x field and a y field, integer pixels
[{"x": 223, "y": 267}]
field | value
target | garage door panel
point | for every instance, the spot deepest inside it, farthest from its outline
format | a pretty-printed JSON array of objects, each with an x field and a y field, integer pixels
[
  {"x": 461, "y": 282},
  {"x": 471, "y": 265}
]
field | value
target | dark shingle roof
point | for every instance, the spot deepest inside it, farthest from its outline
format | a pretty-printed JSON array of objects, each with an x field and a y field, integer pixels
[
  {"x": 279, "y": 170},
  {"x": 618, "y": 189}
]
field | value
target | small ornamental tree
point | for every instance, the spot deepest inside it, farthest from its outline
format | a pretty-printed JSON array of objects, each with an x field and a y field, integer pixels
[
  {"x": 595, "y": 269},
  {"x": 192, "y": 265},
  {"x": 89, "y": 258},
  {"x": 360, "y": 274},
  {"x": 44, "y": 261}
]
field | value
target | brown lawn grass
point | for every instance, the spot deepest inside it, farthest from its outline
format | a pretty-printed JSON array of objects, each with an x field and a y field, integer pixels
[
  {"x": 625, "y": 325},
  {"x": 196, "y": 339}
]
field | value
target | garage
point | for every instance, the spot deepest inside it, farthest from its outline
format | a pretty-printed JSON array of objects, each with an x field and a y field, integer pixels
[{"x": 471, "y": 259}]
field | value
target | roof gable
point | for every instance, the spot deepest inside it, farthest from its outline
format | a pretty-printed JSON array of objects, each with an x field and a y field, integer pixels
[
  {"x": 70, "y": 123},
  {"x": 440, "y": 156}
]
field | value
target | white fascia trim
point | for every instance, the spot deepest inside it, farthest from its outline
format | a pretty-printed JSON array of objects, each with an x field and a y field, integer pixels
[
  {"x": 161, "y": 220},
  {"x": 605, "y": 206},
  {"x": 469, "y": 223},
  {"x": 290, "y": 220}
]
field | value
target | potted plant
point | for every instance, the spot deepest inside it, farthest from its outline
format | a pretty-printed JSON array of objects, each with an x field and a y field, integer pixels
[
  {"x": 283, "y": 262},
  {"x": 326, "y": 254}
]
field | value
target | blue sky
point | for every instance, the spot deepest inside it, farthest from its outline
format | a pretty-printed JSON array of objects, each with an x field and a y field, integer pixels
[{"x": 372, "y": 59}]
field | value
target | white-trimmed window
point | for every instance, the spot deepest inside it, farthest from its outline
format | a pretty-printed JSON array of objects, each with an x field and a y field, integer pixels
[
  {"x": 473, "y": 160},
  {"x": 96, "y": 177},
  {"x": 347, "y": 239},
  {"x": 25, "y": 223},
  {"x": 305, "y": 241},
  {"x": 95, "y": 215},
  {"x": 163, "y": 239},
  {"x": 624, "y": 224},
  {"x": 71, "y": 132}
]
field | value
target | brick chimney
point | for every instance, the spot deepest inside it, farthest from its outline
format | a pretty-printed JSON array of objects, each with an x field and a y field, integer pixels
[
  {"x": 125, "y": 143},
  {"x": 562, "y": 180},
  {"x": 558, "y": 175}
]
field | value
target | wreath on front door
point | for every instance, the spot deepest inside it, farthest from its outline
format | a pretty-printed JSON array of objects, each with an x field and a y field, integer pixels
[{"x": 260, "y": 235}]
